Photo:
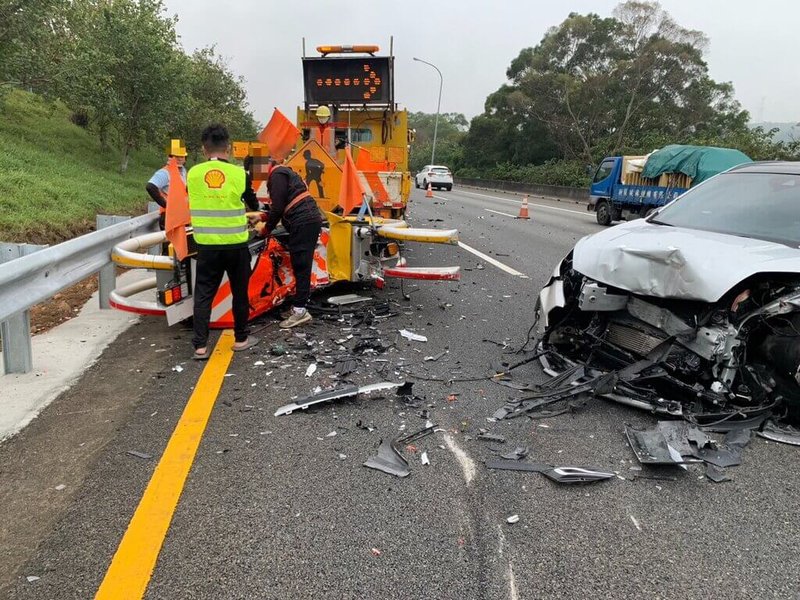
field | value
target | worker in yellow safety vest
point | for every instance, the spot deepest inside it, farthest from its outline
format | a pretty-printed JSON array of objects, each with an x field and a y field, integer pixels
[
  {"x": 218, "y": 193},
  {"x": 158, "y": 185}
]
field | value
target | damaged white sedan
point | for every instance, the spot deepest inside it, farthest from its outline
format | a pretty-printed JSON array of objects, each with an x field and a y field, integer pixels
[{"x": 694, "y": 311}]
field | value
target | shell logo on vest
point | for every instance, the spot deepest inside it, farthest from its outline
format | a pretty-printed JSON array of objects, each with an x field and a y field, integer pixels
[{"x": 214, "y": 179}]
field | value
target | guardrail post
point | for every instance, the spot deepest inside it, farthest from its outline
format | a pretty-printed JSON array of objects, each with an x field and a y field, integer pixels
[
  {"x": 153, "y": 207},
  {"x": 15, "y": 332},
  {"x": 107, "y": 277}
]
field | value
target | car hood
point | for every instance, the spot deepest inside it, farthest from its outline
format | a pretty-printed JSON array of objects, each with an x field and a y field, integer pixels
[{"x": 672, "y": 262}]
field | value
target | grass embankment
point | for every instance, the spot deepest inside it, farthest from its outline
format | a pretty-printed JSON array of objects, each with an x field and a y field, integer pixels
[{"x": 55, "y": 177}]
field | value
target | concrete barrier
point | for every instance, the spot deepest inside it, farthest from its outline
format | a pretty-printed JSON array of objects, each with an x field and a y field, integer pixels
[{"x": 577, "y": 195}]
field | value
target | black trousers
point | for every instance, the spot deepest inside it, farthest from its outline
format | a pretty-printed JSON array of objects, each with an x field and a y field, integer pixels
[
  {"x": 302, "y": 242},
  {"x": 212, "y": 263}
]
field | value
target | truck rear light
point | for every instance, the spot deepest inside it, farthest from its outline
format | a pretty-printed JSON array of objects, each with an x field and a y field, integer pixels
[{"x": 171, "y": 295}]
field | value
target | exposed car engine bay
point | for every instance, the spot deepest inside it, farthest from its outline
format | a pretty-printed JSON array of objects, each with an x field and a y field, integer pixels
[{"x": 712, "y": 363}]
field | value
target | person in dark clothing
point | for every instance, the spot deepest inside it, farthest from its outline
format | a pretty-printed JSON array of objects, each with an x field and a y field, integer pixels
[
  {"x": 292, "y": 204},
  {"x": 218, "y": 193}
]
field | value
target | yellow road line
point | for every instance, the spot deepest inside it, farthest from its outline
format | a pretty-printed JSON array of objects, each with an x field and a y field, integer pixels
[{"x": 135, "y": 559}]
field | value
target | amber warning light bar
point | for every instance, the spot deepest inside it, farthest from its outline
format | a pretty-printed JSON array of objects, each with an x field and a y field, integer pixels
[{"x": 347, "y": 49}]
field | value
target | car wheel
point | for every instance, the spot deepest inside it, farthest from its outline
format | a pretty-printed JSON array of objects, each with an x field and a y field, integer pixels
[
  {"x": 425, "y": 183},
  {"x": 604, "y": 213},
  {"x": 416, "y": 183},
  {"x": 449, "y": 188}
]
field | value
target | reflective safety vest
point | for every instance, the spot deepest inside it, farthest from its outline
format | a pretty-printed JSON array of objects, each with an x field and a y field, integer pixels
[{"x": 215, "y": 203}]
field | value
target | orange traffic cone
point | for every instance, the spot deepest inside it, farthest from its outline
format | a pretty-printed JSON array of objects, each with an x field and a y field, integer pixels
[
  {"x": 523, "y": 210},
  {"x": 429, "y": 193}
]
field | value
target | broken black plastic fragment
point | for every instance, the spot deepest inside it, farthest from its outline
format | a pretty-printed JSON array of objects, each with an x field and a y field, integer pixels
[
  {"x": 669, "y": 443},
  {"x": 406, "y": 389},
  {"x": 491, "y": 437},
  {"x": 716, "y": 474},
  {"x": 517, "y": 453},
  {"x": 389, "y": 460}
]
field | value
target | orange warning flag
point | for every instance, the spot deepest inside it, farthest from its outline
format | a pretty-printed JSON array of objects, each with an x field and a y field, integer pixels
[
  {"x": 280, "y": 135},
  {"x": 351, "y": 192},
  {"x": 177, "y": 217}
]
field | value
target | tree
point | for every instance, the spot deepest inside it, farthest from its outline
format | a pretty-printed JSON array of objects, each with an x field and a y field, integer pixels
[
  {"x": 124, "y": 70},
  {"x": 449, "y": 134},
  {"x": 598, "y": 84},
  {"x": 34, "y": 39},
  {"x": 210, "y": 92}
]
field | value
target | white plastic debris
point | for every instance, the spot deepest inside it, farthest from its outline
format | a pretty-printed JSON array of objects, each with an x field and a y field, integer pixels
[
  {"x": 414, "y": 337},
  {"x": 331, "y": 434},
  {"x": 177, "y": 368},
  {"x": 60, "y": 487},
  {"x": 258, "y": 363},
  {"x": 512, "y": 519},
  {"x": 342, "y": 456},
  {"x": 312, "y": 368},
  {"x": 32, "y": 578},
  {"x": 424, "y": 458}
]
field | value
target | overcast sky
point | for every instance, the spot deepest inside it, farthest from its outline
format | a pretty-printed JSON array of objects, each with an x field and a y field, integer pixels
[{"x": 755, "y": 45}]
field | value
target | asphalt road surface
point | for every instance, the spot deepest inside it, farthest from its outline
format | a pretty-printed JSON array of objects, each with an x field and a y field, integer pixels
[{"x": 282, "y": 507}]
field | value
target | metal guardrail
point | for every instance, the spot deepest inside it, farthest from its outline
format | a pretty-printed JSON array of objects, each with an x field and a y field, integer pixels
[
  {"x": 580, "y": 195},
  {"x": 38, "y": 276}
]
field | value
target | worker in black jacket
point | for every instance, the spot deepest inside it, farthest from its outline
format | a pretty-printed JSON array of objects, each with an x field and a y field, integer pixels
[{"x": 292, "y": 204}]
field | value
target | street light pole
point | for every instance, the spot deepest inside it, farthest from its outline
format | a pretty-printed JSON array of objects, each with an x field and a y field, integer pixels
[{"x": 438, "y": 106}]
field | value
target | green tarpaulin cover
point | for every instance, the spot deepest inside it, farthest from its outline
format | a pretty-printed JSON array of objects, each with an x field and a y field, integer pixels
[{"x": 698, "y": 162}]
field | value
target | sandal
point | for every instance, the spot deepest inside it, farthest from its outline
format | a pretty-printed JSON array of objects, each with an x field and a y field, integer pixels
[
  {"x": 199, "y": 356},
  {"x": 248, "y": 343}
]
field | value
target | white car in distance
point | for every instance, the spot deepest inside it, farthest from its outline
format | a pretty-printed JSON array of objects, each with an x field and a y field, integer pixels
[{"x": 438, "y": 176}]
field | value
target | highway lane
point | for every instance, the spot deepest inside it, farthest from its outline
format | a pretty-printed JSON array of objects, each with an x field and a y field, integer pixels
[{"x": 274, "y": 508}]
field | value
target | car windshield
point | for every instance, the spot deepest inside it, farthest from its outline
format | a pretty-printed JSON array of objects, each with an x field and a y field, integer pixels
[
  {"x": 442, "y": 170},
  {"x": 764, "y": 206}
]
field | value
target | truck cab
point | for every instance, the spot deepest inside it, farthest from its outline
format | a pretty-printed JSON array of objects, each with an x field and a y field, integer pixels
[{"x": 602, "y": 189}]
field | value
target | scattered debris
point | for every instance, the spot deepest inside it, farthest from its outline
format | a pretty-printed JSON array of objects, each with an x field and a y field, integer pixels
[
  {"x": 346, "y": 366},
  {"x": 350, "y": 391},
  {"x": 669, "y": 443},
  {"x": 785, "y": 435},
  {"x": 513, "y": 519},
  {"x": 414, "y": 337},
  {"x": 417, "y": 435},
  {"x": 517, "y": 453},
  {"x": 491, "y": 437},
  {"x": 342, "y": 456},
  {"x": 635, "y": 523},
  {"x": 60, "y": 487},
  {"x": 716, "y": 474},
  {"x": 389, "y": 460},
  {"x": 348, "y": 299},
  {"x": 557, "y": 474},
  {"x": 424, "y": 458},
  {"x": 177, "y": 368},
  {"x": 277, "y": 350},
  {"x": 375, "y": 552},
  {"x": 435, "y": 357},
  {"x": 331, "y": 434},
  {"x": 452, "y": 397},
  {"x": 312, "y": 368},
  {"x": 32, "y": 578},
  {"x": 405, "y": 389},
  {"x": 258, "y": 363},
  {"x": 142, "y": 455}
]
